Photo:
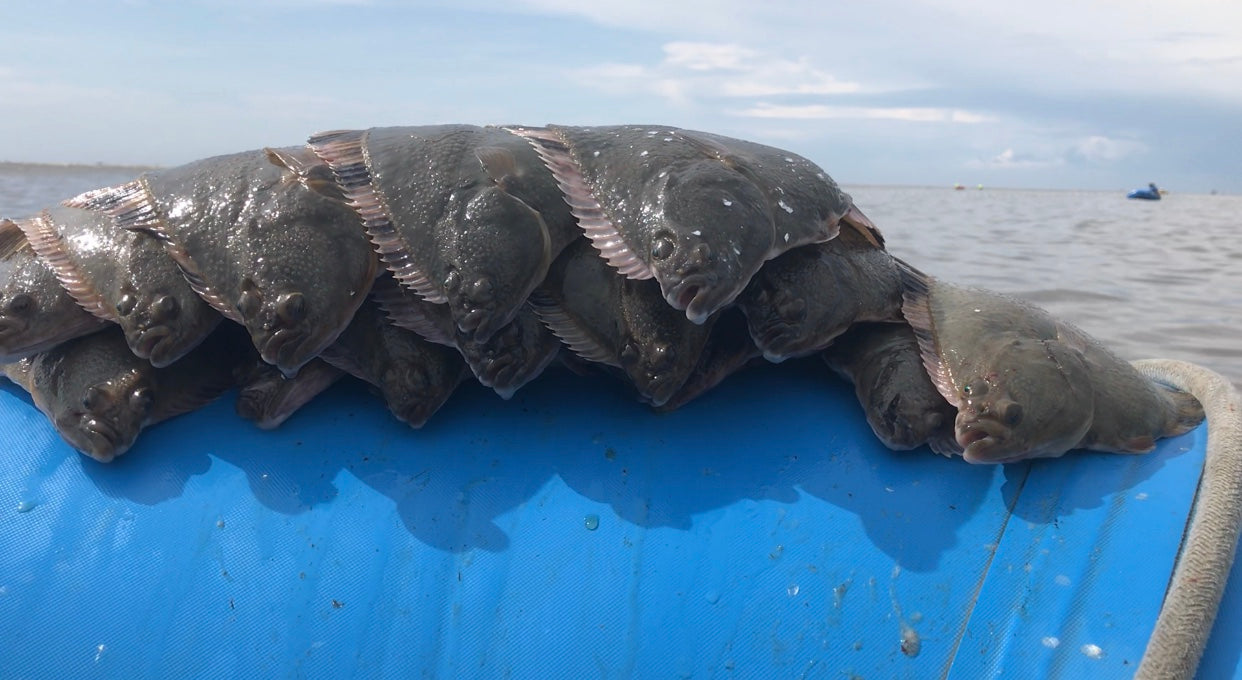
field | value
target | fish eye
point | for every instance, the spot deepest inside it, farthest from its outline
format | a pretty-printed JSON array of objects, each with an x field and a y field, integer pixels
[
  {"x": 94, "y": 398},
  {"x": 248, "y": 303},
  {"x": 663, "y": 246},
  {"x": 662, "y": 355},
  {"x": 140, "y": 398},
  {"x": 22, "y": 304},
  {"x": 291, "y": 307},
  {"x": 975, "y": 389},
  {"x": 126, "y": 304},
  {"x": 1013, "y": 414},
  {"x": 629, "y": 353},
  {"x": 164, "y": 308}
]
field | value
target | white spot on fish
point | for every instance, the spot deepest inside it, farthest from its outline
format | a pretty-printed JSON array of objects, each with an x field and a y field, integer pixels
[
  {"x": 727, "y": 202},
  {"x": 736, "y": 251},
  {"x": 653, "y": 132},
  {"x": 668, "y": 139},
  {"x": 785, "y": 206},
  {"x": 788, "y": 159},
  {"x": 1062, "y": 580},
  {"x": 697, "y": 232},
  {"x": 978, "y": 310},
  {"x": 1051, "y": 642},
  {"x": 786, "y": 238},
  {"x": 1092, "y": 651},
  {"x": 595, "y": 153},
  {"x": 643, "y": 153}
]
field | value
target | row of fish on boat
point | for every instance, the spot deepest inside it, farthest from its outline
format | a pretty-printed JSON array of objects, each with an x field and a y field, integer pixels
[{"x": 415, "y": 258}]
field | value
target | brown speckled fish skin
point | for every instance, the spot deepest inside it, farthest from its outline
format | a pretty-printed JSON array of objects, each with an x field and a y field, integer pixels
[
  {"x": 803, "y": 299},
  {"x": 466, "y": 216},
  {"x": 513, "y": 356},
  {"x": 1027, "y": 385},
  {"x": 99, "y": 396},
  {"x": 267, "y": 398},
  {"x": 127, "y": 278},
  {"x": 696, "y": 225},
  {"x": 902, "y": 406},
  {"x": 620, "y": 322},
  {"x": 414, "y": 376},
  {"x": 36, "y": 313},
  {"x": 289, "y": 263}
]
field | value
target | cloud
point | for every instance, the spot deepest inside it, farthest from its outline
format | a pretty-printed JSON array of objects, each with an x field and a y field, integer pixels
[
  {"x": 691, "y": 70},
  {"x": 1099, "y": 149},
  {"x": 916, "y": 114}
]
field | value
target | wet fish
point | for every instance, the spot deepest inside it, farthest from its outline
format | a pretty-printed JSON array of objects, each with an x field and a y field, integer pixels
[
  {"x": 510, "y": 358},
  {"x": 462, "y": 215},
  {"x": 729, "y": 349},
  {"x": 36, "y": 312},
  {"x": 700, "y": 213},
  {"x": 99, "y": 396},
  {"x": 883, "y": 362},
  {"x": 1026, "y": 385},
  {"x": 264, "y": 237},
  {"x": 414, "y": 376},
  {"x": 266, "y": 397},
  {"x": 619, "y": 322},
  {"x": 124, "y": 277},
  {"x": 799, "y": 302}
]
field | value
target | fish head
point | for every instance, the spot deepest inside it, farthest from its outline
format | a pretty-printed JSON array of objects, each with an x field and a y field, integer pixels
[
  {"x": 35, "y": 311},
  {"x": 1034, "y": 400},
  {"x": 659, "y": 347},
  {"x": 500, "y": 251},
  {"x": 103, "y": 418},
  {"x": 162, "y": 325},
  {"x": 513, "y": 355},
  {"x": 278, "y": 320},
  {"x": 713, "y": 233},
  {"x": 415, "y": 386}
]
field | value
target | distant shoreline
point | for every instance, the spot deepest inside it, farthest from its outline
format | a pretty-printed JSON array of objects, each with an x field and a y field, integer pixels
[{"x": 7, "y": 165}]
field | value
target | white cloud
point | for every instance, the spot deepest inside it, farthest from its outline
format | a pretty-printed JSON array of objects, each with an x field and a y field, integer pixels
[
  {"x": 917, "y": 114},
  {"x": 699, "y": 69},
  {"x": 1099, "y": 149}
]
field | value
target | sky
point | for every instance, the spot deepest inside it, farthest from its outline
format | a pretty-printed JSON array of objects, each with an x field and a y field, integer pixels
[{"x": 1060, "y": 94}]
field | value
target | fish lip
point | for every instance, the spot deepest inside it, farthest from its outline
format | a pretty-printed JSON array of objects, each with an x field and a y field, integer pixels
[
  {"x": 689, "y": 290},
  {"x": 10, "y": 327},
  {"x": 977, "y": 435},
  {"x": 660, "y": 388},
  {"x": 98, "y": 438},
  {"x": 280, "y": 345},
  {"x": 150, "y": 342}
]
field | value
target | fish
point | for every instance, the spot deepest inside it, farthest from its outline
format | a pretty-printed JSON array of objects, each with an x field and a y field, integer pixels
[
  {"x": 124, "y": 277},
  {"x": 1027, "y": 385},
  {"x": 512, "y": 357},
  {"x": 657, "y": 205},
  {"x": 36, "y": 312},
  {"x": 267, "y": 398},
  {"x": 462, "y": 215},
  {"x": 799, "y": 302},
  {"x": 100, "y": 397},
  {"x": 263, "y": 236},
  {"x": 902, "y": 406},
  {"x": 729, "y": 349},
  {"x": 414, "y": 376},
  {"x": 622, "y": 323}
]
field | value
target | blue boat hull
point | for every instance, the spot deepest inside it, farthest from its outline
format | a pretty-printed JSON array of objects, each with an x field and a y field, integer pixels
[
  {"x": 761, "y": 531},
  {"x": 1145, "y": 194}
]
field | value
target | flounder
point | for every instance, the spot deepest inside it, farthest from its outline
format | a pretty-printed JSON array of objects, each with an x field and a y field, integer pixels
[
  {"x": 462, "y": 215},
  {"x": 264, "y": 237},
  {"x": 267, "y": 398},
  {"x": 36, "y": 312},
  {"x": 699, "y": 213},
  {"x": 1026, "y": 385},
  {"x": 729, "y": 349},
  {"x": 799, "y": 302},
  {"x": 99, "y": 396},
  {"x": 902, "y": 406},
  {"x": 414, "y": 376},
  {"x": 510, "y": 358},
  {"x": 124, "y": 277},
  {"x": 623, "y": 323}
]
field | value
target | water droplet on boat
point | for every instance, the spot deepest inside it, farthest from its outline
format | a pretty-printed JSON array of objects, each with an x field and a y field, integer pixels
[
  {"x": 712, "y": 596},
  {"x": 1062, "y": 580},
  {"x": 1051, "y": 642},
  {"x": 1092, "y": 651},
  {"x": 1141, "y": 496},
  {"x": 26, "y": 506},
  {"x": 591, "y": 522},
  {"x": 911, "y": 644},
  {"x": 792, "y": 589}
]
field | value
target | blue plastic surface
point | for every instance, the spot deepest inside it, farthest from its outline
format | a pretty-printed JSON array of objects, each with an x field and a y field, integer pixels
[{"x": 571, "y": 532}]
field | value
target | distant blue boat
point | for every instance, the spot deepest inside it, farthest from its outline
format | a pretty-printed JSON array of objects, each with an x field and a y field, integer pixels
[{"x": 1150, "y": 193}]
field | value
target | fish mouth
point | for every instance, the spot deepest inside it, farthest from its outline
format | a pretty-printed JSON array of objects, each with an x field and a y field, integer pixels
[
  {"x": 10, "y": 327},
  {"x": 152, "y": 344},
  {"x": 981, "y": 437},
  {"x": 698, "y": 296},
  {"x": 659, "y": 388},
  {"x": 281, "y": 350},
  {"x": 98, "y": 438}
]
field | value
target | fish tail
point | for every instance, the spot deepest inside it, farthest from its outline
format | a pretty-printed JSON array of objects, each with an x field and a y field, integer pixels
[{"x": 1185, "y": 413}]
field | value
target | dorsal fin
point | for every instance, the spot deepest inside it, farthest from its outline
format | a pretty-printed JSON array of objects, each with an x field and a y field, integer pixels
[
  {"x": 12, "y": 239},
  {"x": 46, "y": 242},
  {"x": 916, "y": 307},
  {"x": 129, "y": 203},
  {"x": 343, "y": 151},
  {"x": 591, "y": 216},
  {"x": 564, "y": 327},
  {"x": 312, "y": 172},
  {"x": 855, "y": 219}
]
